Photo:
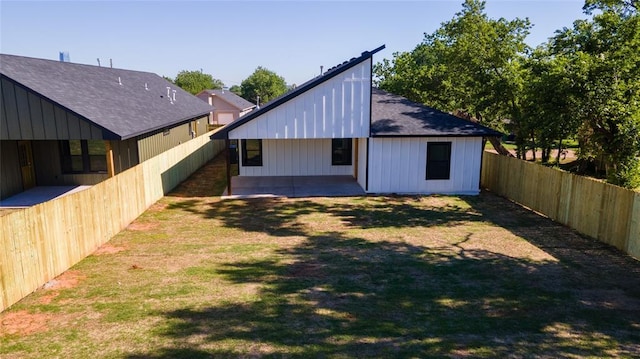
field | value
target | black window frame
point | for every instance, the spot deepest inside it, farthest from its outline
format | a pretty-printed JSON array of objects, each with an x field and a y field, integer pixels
[
  {"x": 66, "y": 158},
  {"x": 438, "y": 168},
  {"x": 253, "y": 161},
  {"x": 341, "y": 151}
]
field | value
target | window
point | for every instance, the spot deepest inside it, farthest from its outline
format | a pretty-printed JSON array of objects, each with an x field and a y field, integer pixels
[
  {"x": 341, "y": 152},
  {"x": 438, "y": 160},
  {"x": 83, "y": 156},
  {"x": 252, "y": 152}
]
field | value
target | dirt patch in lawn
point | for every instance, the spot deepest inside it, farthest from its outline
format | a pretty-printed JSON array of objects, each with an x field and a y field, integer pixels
[
  {"x": 68, "y": 279},
  {"x": 142, "y": 226},
  {"x": 108, "y": 249},
  {"x": 23, "y": 323}
]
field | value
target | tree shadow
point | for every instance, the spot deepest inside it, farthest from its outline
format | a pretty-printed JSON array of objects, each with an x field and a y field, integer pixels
[{"x": 339, "y": 295}]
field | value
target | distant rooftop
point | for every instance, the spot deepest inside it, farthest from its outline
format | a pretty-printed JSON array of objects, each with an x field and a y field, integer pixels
[{"x": 231, "y": 98}]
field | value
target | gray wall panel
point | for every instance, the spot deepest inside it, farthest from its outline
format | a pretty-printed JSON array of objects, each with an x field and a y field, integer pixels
[
  {"x": 10, "y": 174},
  {"x": 125, "y": 154},
  {"x": 74, "y": 126},
  {"x": 62, "y": 127},
  {"x": 49, "y": 120},
  {"x": 9, "y": 100},
  {"x": 153, "y": 145},
  {"x": 24, "y": 116},
  {"x": 35, "y": 109},
  {"x": 85, "y": 129},
  {"x": 46, "y": 160}
]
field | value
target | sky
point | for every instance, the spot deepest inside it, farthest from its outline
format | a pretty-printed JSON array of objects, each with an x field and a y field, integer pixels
[{"x": 230, "y": 39}]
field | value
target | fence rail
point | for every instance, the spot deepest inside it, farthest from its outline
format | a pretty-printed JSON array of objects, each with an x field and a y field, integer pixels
[
  {"x": 41, "y": 242},
  {"x": 600, "y": 210}
]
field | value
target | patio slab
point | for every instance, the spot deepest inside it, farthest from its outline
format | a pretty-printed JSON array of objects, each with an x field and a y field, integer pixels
[
  {"x": 37, "y": 195},
  {"x": 293, "y": 186}
]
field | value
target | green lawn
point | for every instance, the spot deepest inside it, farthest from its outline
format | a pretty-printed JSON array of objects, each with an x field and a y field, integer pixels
[{"x": 197, "y": 277}]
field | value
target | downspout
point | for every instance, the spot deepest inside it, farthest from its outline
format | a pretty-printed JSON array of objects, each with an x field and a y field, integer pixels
[
  {"x": 366, "y": 163},
  {"x": 483, "y": 143},
  {"x": 228, "y": 159}
]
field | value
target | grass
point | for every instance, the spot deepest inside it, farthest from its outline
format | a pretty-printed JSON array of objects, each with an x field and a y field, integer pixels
[{"x": 196, "y": 277}]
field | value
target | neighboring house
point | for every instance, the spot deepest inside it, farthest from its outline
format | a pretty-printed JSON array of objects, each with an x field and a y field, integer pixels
[
  {"x": 227, "y": 106},
  {"x": 337, "y": 124},
  {"x": 71, "y": 124}
]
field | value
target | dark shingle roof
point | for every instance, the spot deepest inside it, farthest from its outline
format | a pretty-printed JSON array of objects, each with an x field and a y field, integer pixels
[
  {"x": 329, "y": 74},
  {"x": 396, "y": 116},
  {"x": 232, "y": 98},
  {"x": 96, "y": 95}
]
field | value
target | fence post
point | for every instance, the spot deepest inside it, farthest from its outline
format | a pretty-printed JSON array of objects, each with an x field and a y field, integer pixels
[{"x": 633, "y": 237}]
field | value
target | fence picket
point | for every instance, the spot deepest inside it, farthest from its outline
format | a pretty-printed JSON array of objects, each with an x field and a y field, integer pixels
[
  {"x": 41, "y": 242},
  {"x": 606, "y": 212}
]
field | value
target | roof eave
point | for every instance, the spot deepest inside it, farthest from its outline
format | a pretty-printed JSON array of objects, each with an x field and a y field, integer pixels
[
  {"x": 172, "y": 124},
  {"x": 434, "y": 135}
]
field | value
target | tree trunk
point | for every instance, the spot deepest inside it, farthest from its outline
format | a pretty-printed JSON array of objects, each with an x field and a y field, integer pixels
[
  {"x": 559, "y": 152},
  {"x": 495, "y": 142}
]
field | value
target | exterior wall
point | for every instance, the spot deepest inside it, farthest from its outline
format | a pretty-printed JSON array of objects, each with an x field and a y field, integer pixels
[
  {"x": 224, "y": 118},
  {"x": 10, "y": 174},
  {"x": 28, "y": 116},
  {"x": 337, "y": 108},
  {"x": 295, "y": 158},
  {"x": 222, "y": 111},
  {"x": 156, "y": 143},
  {"x": 47, "y": 164},
  {"x": 398, "y": 165},
  {"x": 362, "y": 162},
  {"x": 202, "y": 124},
  {"x": 125, "y": 154}
]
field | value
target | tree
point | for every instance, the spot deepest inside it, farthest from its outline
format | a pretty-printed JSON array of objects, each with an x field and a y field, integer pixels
[
  {"x": 263, "y": 83},
  {"x": 604, "y": 54},
  {"x": 471, "y": 62},
  {"x": 549, "y": 101},
  {"x": 196, "y": 81},
  {"x": 236, "y": 90}
]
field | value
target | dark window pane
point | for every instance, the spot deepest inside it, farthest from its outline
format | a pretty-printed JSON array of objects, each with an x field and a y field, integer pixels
[
  {"x": 83, "y": 156},
  {"x": 77, "y": 164},
  {"x": 96, "y": 147},
  {"x": 75, "y": 147},
  {"x": 341, "y": 151},
  {"x": 438, "y": 160},
  {"x": 252, "y": 152}
]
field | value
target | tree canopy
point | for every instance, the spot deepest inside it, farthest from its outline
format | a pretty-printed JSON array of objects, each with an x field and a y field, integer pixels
[
  {"x": 196, "y": 81},
  {"x": 263, "y": 83}
]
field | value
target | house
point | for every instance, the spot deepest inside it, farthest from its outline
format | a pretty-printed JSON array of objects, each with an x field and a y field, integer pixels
[
  {"x": 338, "y": 124},
  {"x": 227, "y": 105},
  {"x": 71, "y": 124}
]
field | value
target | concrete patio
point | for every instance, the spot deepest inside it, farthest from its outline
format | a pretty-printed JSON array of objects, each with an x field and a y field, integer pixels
[
  {"x": 293, "y": 186},
  {"x": 37, "y": 195}
]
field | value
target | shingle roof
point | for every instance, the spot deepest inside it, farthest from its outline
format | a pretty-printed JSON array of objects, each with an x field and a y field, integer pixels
[
  {"x": 396, "y": 116},
  {"x": 232, "y": 98},
  {"x": 113, "y": 99},
  {"x": 329, "y": 74}
]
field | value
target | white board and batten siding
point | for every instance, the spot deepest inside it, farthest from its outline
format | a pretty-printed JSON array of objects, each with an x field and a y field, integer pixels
[
  {"x": 296, "y": 157},
  {"x": 336, "y": 108},
  {"x": 398, "y": 165}
]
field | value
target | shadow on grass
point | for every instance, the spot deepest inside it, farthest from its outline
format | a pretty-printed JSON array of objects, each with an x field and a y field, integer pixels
[{"x": 336, "y": 295}]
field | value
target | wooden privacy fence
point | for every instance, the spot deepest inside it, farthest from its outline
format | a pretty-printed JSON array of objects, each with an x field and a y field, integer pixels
[
  {"x": 39, "y": 243},
  {"x": 600, "y": 210}
]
